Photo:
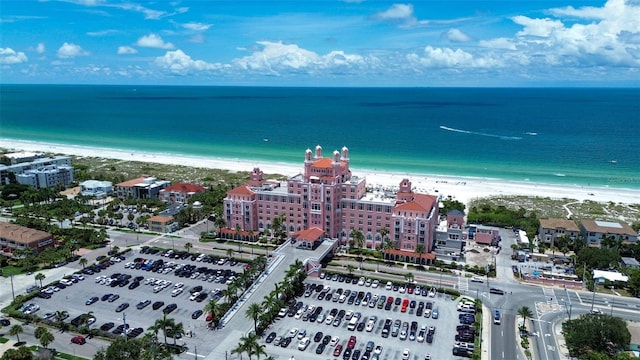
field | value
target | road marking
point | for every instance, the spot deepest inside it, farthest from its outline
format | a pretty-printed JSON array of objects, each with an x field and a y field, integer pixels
[
  {"x": 551, "y": 348},
  {"x": 190, "y": 353},
  {"x": 578, "y": 296}
]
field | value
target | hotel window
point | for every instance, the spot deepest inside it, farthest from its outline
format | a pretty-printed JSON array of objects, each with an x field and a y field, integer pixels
[{"x": 369, "y": 207}]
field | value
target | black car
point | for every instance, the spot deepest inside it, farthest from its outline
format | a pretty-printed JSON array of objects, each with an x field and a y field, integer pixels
[
  {"x": 285, "y": 342},
  {"x": 143, "y": 304},
  {"x": 196, "y": 314},
  {"x": 169, "y": 308},
  {"x": 157, "y": 305},
  {"x": 91, "y": 300},
  {"x": 347, "y": 353},
  {"x": 114, "y": 297},
  {"x": 320, "y": 348},
  {"x": 107, "y": 326},
  {"x": 270, "y": 337},
  {"x": 134, "y": 285},
  {"x": 196, "y": 289},
  {"x": 326, "y": 339},
  {"x": 105, "y": 297},
  {"x": 122, "y": 307},
  {"x": 5, "y": 322},
  {"x": 496, "y": 291},
  {"x": 398, "y": 301},
  {"x": 135, "y": 332},
  {"x": 120, "y": 329},
  {"x": 356, "y": 354},
  {"x": 318, "y": 336},
  {"x": 43, "y": 295},
  {"x": 361, "y": 326}
]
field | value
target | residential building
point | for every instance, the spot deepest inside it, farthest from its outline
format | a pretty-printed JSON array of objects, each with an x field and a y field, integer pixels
[
  {"x": 180, "y": 193},
  {"x": 327, "y": 196},
  {"x": 630, "y": 262},
  {"x": 23, "y": 157},
  {"x": 42, "y": 172},
  {"x": 14, "y": 236},
  {"x": 594, "y": 231},
  {"x": 449, "y": 236},
  {"x": 600, "y": 276},
  {"x": 487, "y": 236},
  {"x": 162, "y": 224},
  {"x": 144, "y": 187},
  {"x": 98, "y": 189},
  {"x": 552, "y": 229}
]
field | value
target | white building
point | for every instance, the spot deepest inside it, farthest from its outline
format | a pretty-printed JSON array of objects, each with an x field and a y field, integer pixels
[
  {"x": 43, "y": 172},
  {"x": 99, "y": 189},
  {"x": 600, "y": 276}
]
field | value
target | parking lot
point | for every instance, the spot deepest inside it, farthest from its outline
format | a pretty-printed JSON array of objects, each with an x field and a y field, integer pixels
[
  {"x": 110, "y": 297},
  {"x": 427, "y": 326}
]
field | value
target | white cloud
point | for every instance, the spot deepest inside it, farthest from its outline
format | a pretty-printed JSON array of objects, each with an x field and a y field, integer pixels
[
  {"x": 601, "y": 39},
  {"x": 180, "y": 63},
  {"x": 499, "y": 43},
  {"x": 196, "y": 38},
  {"x": 40, "y": 49},
  {"x": 102, "y": 32},
  {"x": 153, "y": 41},
  {"x": 402, "y": 14},
  {"x": 10, "y": 56},
  {"x": 456, "y": 35},
  {"x": 126, "y": 50},
  {"x": 435, "y": 57},
  {"x": 536, "y": 27},
  {"x": 277, "y": 58},
  {"x": 196, "y": 26},
  {"x": 68, "y": 50}
]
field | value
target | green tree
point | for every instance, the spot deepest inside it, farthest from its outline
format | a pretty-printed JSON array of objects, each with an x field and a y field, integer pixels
[
  {"x": 350, "y": 269},
  {"x": 214, "y": 308},
  {"x": 408, "y": 277},
  {"x": 253, "y": 312},
  {"x": 16, "y": 330},
  {"x": 40, "y": 276},
  {"x": 420, "y": 251},
  {"x": 596, "y": 333},
  {"x": 83, "y": 262},
  {"x": 175, "y": 330},
  {"x": 144, "y": 348},
  {"x": 21, "y": 353},
  {"x": 188, "y": 246},
  {"x": 164, "y": 324},
  {"x": 46, "y": 338},
  {"x": 525, "y": 313}
]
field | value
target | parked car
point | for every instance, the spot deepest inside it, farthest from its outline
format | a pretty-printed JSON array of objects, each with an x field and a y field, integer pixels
[
  {"x": 91, "y": 300},
  {"x": 80, "y": 340}
]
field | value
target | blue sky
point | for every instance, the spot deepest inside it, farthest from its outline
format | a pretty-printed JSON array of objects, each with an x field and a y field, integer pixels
[{"x": 321, "y": 43}]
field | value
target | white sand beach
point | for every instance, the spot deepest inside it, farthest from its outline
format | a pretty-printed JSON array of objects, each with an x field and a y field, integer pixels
[{"x": 459, "y": 188}]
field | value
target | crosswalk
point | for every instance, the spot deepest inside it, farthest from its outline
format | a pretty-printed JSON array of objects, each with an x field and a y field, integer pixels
[{"x": 463, "y": 284}]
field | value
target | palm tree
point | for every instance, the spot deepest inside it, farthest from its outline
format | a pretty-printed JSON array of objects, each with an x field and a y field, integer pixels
[
  {"x": 40, "y": 276},
  {"x": 526, "y": 313},
  {"x": 164, "y": 324},
  {"x": 83, "y": 262},
  {"x": 271, "y": 302},
  {"x": 350, "y": 269},
  {"x": 214, "y": 308},
  {"x": 387, "y": 245},
  {"x": 16, "y": 330},
  {"x": 250, "y": 345},
  {"x": 46, "y": 338},
  {"x": 230, "y": 253},
  {"x": 188, "y": 246},
  {"x": 420, "y": 251},
  {"x": 408, "y": 277},
  {"x": 175, "y": 330},
  {"x": 253, "y": 311}
]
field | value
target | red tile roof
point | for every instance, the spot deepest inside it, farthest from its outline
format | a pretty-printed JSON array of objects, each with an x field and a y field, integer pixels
[
  {"x": 132, "y": 182},
  {"x": 311, "y": 234},
  {"x": 160, "y": 219},
  {"x": 420, "y": 202},
  {"x": 326, "y": 163},
  {"x": 185, "y": 188},
  {"x": 241, "y": 190}
]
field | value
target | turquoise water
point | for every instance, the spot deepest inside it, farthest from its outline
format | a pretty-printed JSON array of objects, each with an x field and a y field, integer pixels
[{"x": 568, "y": 136}]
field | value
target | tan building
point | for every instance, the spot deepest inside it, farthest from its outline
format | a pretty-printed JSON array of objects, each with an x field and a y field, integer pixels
[
  {"x": 551, "y": 229},
  {"x": 14, "y": 236},
  {"x": 162, "y": 224},
  {"x": 594, "y": 231}
]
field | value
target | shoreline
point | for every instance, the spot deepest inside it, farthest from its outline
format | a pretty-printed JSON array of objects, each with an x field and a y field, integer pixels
[{"x": 461, "y": 188}]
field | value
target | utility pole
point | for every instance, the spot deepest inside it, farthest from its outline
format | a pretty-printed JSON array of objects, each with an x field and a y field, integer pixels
[
  {"x": 12, "y": 290},
  {"x": 593, "y": 298}
]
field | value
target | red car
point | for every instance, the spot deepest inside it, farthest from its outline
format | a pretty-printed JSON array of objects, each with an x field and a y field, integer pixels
[
  {"x": 80, "y": 340},
  {"x": 337, "y": 350},
  {"x": 352, "y": 342}
]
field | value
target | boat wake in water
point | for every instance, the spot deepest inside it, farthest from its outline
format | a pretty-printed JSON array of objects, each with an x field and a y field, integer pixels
[{"x": 480, "y": 133}]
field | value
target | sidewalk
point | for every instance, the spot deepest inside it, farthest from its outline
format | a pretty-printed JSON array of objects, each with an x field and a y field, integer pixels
[{"x": 486, "y": 338}]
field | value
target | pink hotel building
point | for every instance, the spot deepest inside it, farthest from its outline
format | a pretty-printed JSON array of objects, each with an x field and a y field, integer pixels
[{"x": 328, "y": 197}]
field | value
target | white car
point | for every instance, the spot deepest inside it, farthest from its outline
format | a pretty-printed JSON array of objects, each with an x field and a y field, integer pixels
[
  {"x": 477, "y": 279},
  {"x": 334, "y": 341},
  {"x": 389, "y": 286},
  {"x": 302, "y": 333},
  {"x": 282, "y": 313},
  {"x": 298, "y": 314},
  {"x": 402, "y": 289},
  {"x": 194, "y": 295},
  {"x": 370, "y": 325},
  {"x": 292, "y": 333},
  {"x": 406, "y": 354},
  {"x": 361, "y": 281},
  {"x": 178, "y": 285},
  {"x": 302, "y": 345},
  {"x": 176, "y": 292},
  {"x": 375, "y": 283}
]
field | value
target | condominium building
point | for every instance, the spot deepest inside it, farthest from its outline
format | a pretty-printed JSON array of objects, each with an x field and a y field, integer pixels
[
  {"x": 14, "y": 236},
  {"x": 42, "y": 172},
  {"x": 594, "y": 231},
  {"x": 327, "y": 196},
  {"x": 144, "y": 187},
  {"x": 180, "y": 193},
  {"x": 552, "y": 229}
]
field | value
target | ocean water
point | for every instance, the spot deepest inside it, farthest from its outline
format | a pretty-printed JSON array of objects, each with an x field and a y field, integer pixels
[{"x": 567, "y": 136}]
